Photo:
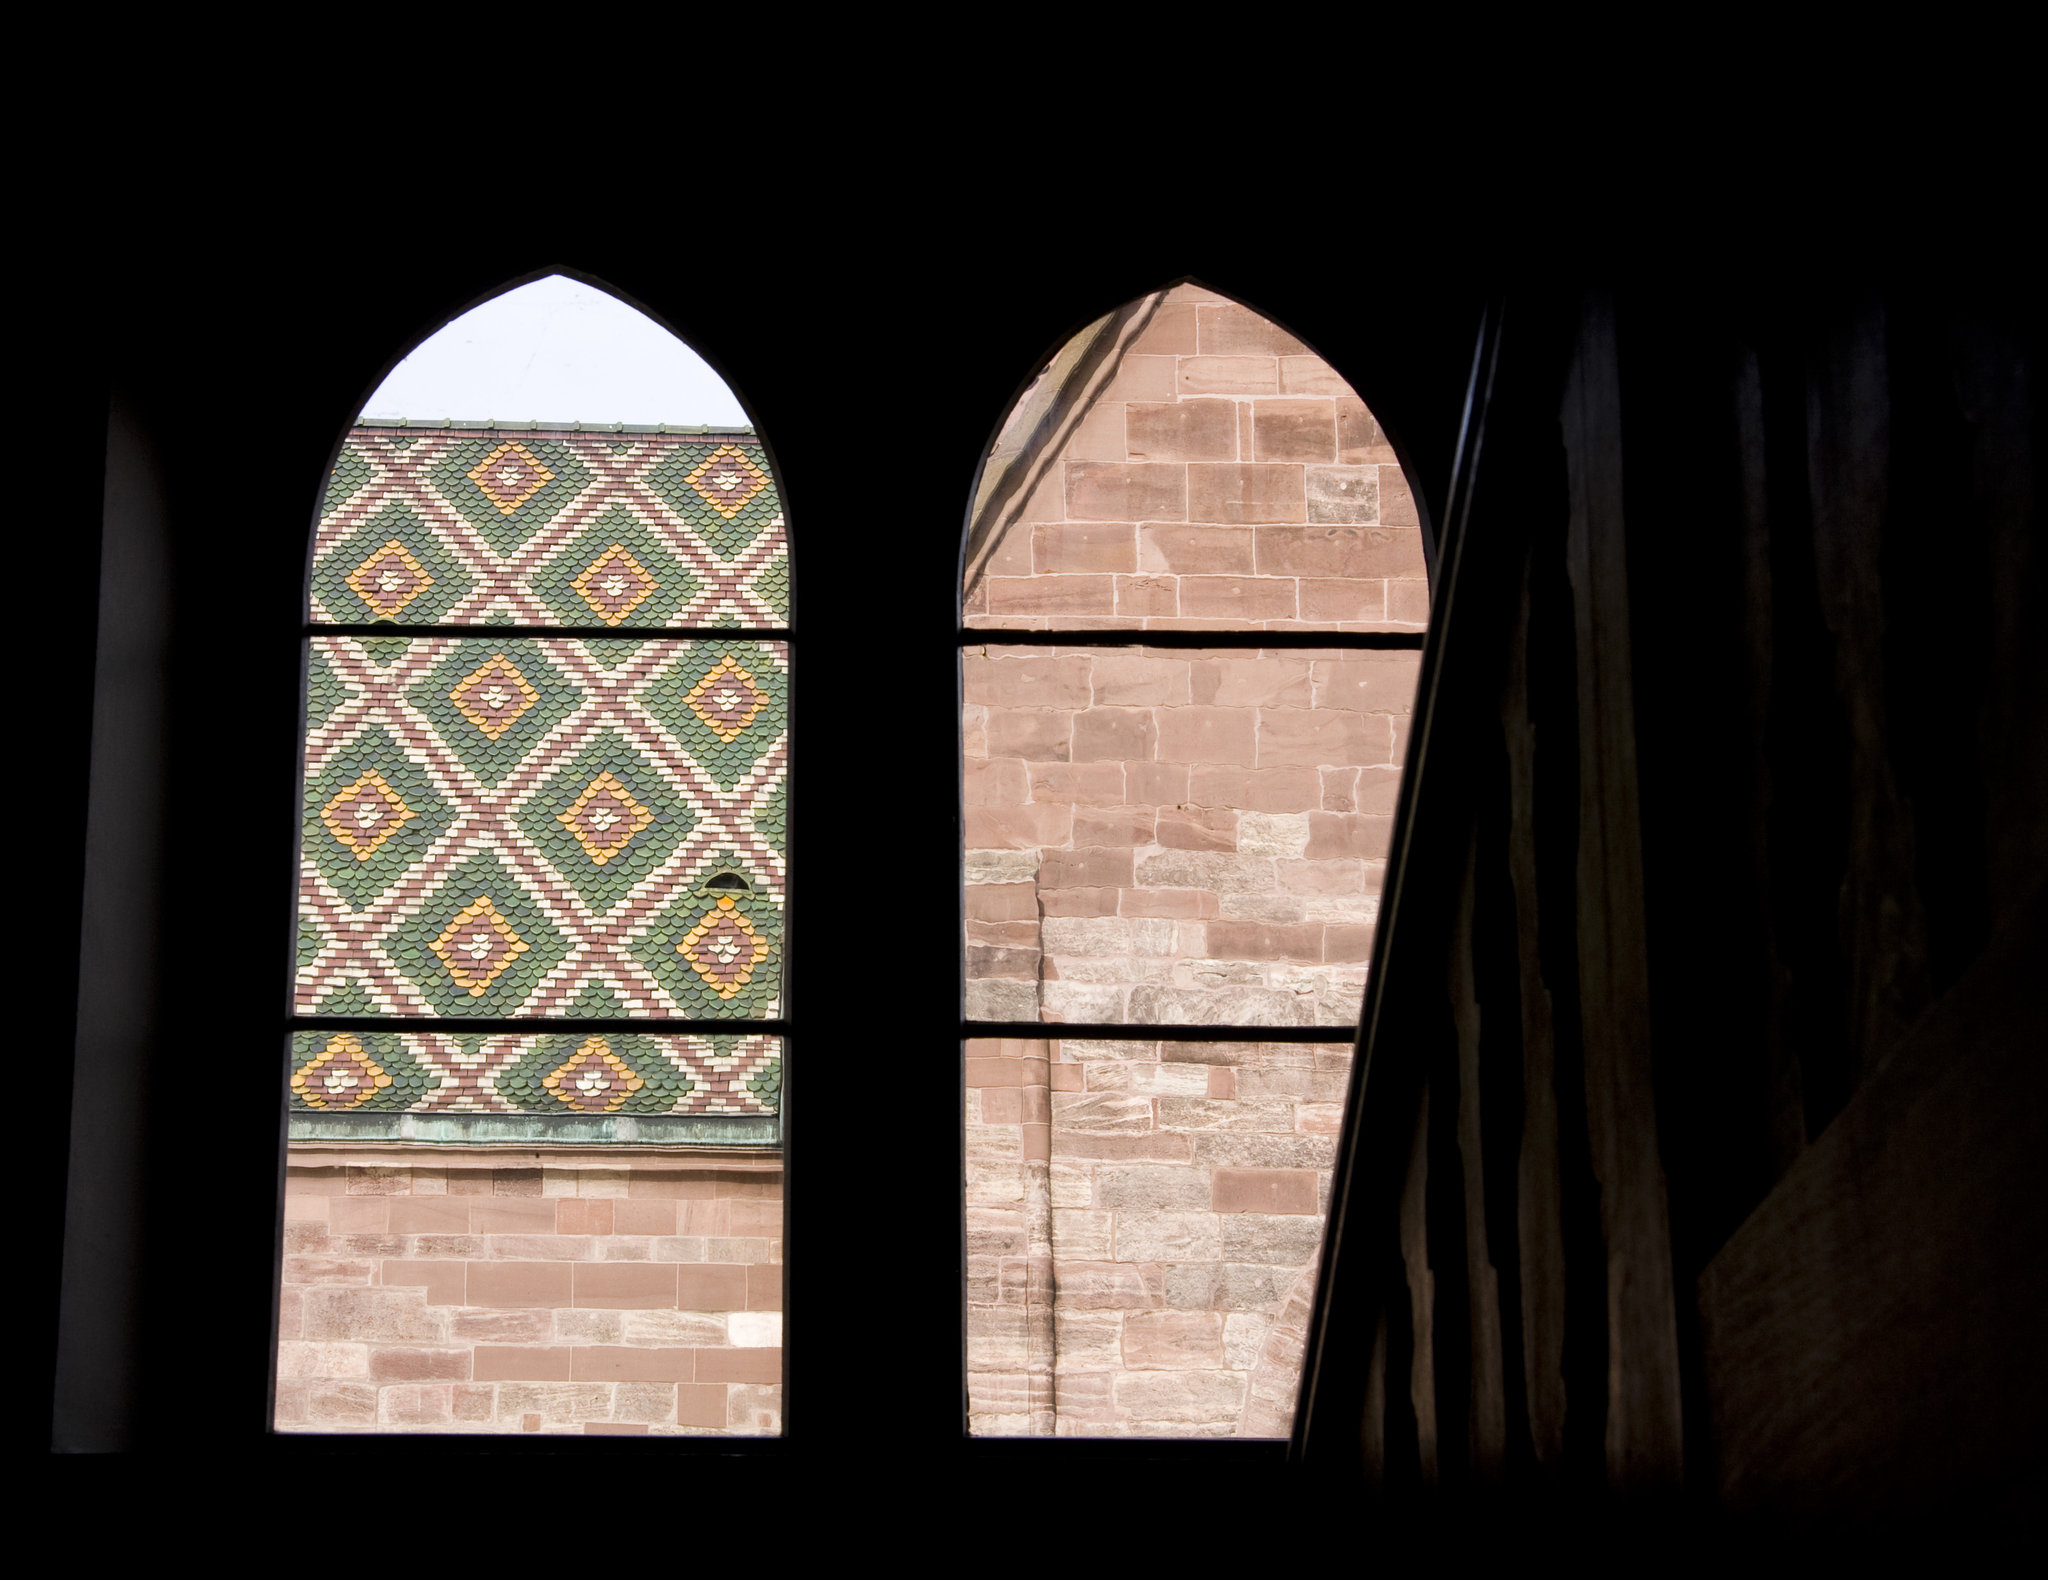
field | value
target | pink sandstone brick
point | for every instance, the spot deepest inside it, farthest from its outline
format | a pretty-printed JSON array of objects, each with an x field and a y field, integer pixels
[
  {"x": 1314, "y": 738},
  {"x": 514, "y": 1215},
  {"x": 1035, "y": 679},
  {"x": 1341, "y": 599},
  {"x": 1302, "y": 941},
  {"x": 1114, "y": 735},
  {"x": 1244, "y": 493},
  {"x": 617, "y": 1363},
  {"x": 1177, "y": 904},
  {"x": 764, "y": 1287},
  {"x": 624, "y": 1286},
  {"x": 1083, "y": 548},
  {"x": 1207, "y": 375},
  {"x": 523, "y": 1363},
  {"x": 1255, "y": 790},
  {"x": 1192, "y": 430},
  {"x": 1348, "y": 834},
  {"x": 1217, "y": 599},
  {"x": 710, "y": 1286},
  {"x": 445, "y": 1282},
  {"x": 1147, "y": 597},
  {"x": 740, "y": 1366},
  {"x": 390, "y": 1364},
  {"x": 1118, "y": 826},
  {"x": 1053, "y": 596},
  {"x": 1307, "y": 374},
  {"x": 1172, "y": 330},
  {"x": 1020, "y": 828},
  {"x": 578, "y": 1215},
  {"x": 1197, "y": 550},
  {"x": 1232, "y": 329},
  {"x": 1100, "y": 434},
  {"x": 1348, "y": 942},
  {"x": 700, "y": 1404},
  {"x": 1251, "y": 682},
  {"x": 1101, "y": 491},
  {"x": 1263, "y": 1190},
  {"x": 1294, "y": 430},
  {"x": 1197, "y": 828},
  {"x": 429, "y": 1215},
  {"x": 1070, "y": 784},
  {"x": 525, "y": 1284},
  {"x": 1206, "y": 736}
]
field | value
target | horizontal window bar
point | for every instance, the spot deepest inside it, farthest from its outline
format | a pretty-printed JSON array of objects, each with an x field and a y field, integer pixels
[
  {"x": 1398, "y": 640},
  {"x": 714, "y": 633},
  {"x": 1037, "y": 1031},
  {"x": 454, "y": 1024}
]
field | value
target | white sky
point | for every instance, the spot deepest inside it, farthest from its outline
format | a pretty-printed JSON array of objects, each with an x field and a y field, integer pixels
[{"x": 560, "y": 351}]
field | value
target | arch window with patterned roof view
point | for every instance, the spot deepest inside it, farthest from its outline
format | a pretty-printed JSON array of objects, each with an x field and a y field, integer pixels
[
  {"x": 534, "y": 1081},
  {"x": 1193, "y": 603}
]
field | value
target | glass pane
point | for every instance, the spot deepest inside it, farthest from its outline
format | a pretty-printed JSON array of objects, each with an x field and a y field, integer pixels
[
  {"x": 577, "y": 1229},
  {"x": 522, "y": 826},
  {"x": 482, "y": 525},
  {"x": 1144, "y": 1221},
  {"x": 1206, "y": 472},
  {"x": 1178, "y": 836}
]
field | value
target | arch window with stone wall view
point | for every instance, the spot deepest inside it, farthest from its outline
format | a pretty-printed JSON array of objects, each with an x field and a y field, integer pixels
[
  {"x": 1193, "y": 600},
  {"x": 535, "y": 1063}
]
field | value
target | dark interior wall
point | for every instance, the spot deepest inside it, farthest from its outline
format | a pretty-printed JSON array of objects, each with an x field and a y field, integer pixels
[
  {"x": 1703, "y": 1083},
  {"x": 235, "y": 354}
]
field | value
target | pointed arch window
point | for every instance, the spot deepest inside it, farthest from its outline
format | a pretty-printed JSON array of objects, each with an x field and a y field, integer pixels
[
  {"x": 1193, "y": 601},
  {"x": 535, "y": 1061}
]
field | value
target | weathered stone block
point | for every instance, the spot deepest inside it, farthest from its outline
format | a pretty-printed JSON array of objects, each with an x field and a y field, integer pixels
[
  {"x": 1036, "y": 680},
  {"x": 371, "y": 1315},
  {"x": 1255, "y": 789},
  {"x": 1189, "y": 430},
  {"x": 1342, "y": 835},
  {"x": 1272, "y": 1239},
  {"x": 1071, "y": 596},
  {"x": 1168, "y": 1237},
  {"x": 1225, "y": 1286},
  {"x": 1240, "y": 1149},
  {"x": 1082, "y": 1234},
  {"x": 1282, "y": 834},
  {"x": 1347, "y": 494},
  {"x": 1076, "y": 547},
  {"x": 989, "y": 999},
  {"x": 1103, "y": 1112},
  {"x": 1250, "y": 682},
  {"x": 1231, "y": 329},
  {"x": 1263, "y": 1190},
  {"x": 1114, "y": 735},
  {"x": 1232, "y": 1005},
  {"x": 1089, "y": 784},
  {"x": 1079, "y": 1002},
  {"x": 1205, "y": 1397},
  {"x": 1294, "y": 430},
  {"x": 1173, "y": 1340},
  {"x": 1132, "y": 491},
  {"x": 1127, "y": 681},
  {"x": 1207, "y": 375},
  {"x": 1231, "y": 601},
  {"x": 1113, "y": 1286},
  {"x": 1245, "y": 493}
]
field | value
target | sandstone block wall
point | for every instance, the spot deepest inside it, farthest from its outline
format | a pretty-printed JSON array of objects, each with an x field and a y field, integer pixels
[
  {"x": 571, "y": 1293},
  {"x": 1143, "y": 1226},
  {"x": 1226, "y": 478},
  {"x": 1176, "y": 835}
]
